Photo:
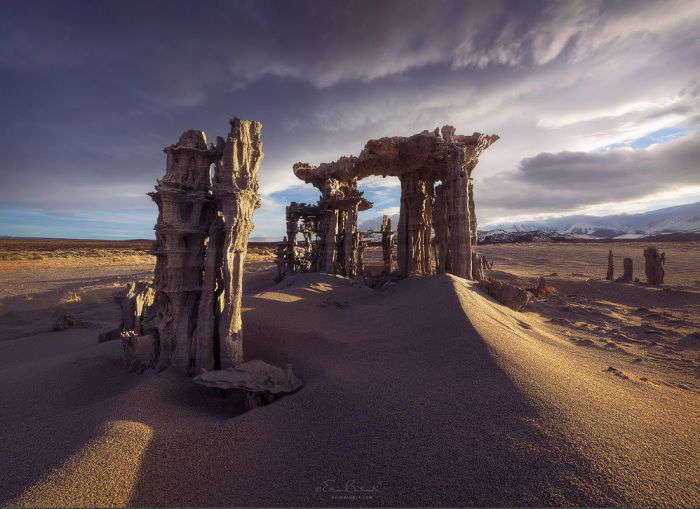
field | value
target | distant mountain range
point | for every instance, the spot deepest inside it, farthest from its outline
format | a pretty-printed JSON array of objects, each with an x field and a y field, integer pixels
[
  {"x": 681, "y": 219},
  {"x": 681, "y": 222}
]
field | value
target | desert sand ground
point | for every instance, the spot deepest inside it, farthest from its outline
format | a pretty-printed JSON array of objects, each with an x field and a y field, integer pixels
[{"x": 423, "y": 392}]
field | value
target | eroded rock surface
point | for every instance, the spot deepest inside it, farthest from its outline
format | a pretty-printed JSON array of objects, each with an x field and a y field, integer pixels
[
  {"x": 190, "y": 317},
  {"x": 262, "y": 381},
  {"x": 338, "y": 244},
  {"x": 434, "y": 169},
  {"x": 135, "y": 303},
  {"x": 514, "y": 297}
]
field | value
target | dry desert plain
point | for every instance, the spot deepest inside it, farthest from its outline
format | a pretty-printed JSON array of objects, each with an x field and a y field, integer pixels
[{"x": 424, "y": 392}]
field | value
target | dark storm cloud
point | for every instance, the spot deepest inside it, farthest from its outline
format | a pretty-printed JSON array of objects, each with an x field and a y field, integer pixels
[
  {"x": 567, "y": 180},
  {"x": 91, "y": 91}
]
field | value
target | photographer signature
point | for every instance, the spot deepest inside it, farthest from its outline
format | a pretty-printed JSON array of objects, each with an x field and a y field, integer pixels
[{"x": 349, "y": 486}]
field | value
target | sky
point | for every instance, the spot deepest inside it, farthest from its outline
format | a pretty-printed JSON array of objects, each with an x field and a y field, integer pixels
[{"x": 597, "y": 103}]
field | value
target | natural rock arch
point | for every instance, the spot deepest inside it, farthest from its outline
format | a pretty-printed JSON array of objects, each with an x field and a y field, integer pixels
[{"x": 434, "y": 169}]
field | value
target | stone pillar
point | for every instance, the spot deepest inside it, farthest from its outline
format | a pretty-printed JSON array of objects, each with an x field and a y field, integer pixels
[
  {"x": 654, "y": 265},
  {"x": 201, "y": 242},
  {"x": 292, "y": 224},
  {"x": 386, "y": 243},
  {"x": 456, "y": 190},
  {"x": 609, "y": 275},
  {"x": 477, "y": 268},
  {"x": 627, "y": 266},
  {"x": 339, "y": 267},
  {"x": 292, "y": 231},
  {"x": 442, "y": 230},
  {"x": 331, "y": 237},
  {"x": 477, "y": 272},
  {"x": 350, "y": 238},
  {"x": 308, "y": 230},
  {"x": 414, "y": 225},
  {"x": 211, "y": 304},
  {"x": 361, "y": 244},
  {"x": 185, "y": 213},
  {"x": 235, "y": 188},
  {"x": 426, "y": 214}
]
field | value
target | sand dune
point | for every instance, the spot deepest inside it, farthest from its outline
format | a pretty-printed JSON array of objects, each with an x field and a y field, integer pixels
[{"x": 424, "y": 393}]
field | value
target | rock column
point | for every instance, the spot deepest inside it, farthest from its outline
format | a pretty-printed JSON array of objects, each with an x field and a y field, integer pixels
[
  {"x": 610, "y": 274},
  {"x": 386, "y": 243},
  {"x": 194, "y": 322},
  {"x": 185, "y": 212},
  {"x": 627, "y": 266},
  {"x": 235, "y": 189},
  {"x": 413, "y": 249},
  {"x": 442, "y": 230},
  {"x": 292, "y": 231},
  {"x": 654, "y": 265},
  {"x": 456, "y": 196},
  {"x": 348, "y": 240}
]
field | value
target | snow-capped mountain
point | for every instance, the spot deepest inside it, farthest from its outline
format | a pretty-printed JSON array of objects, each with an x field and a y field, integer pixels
[
  {"x": 678, "y": 219},
  {"x": 600, "y": 230},
  {"x": 502, "y": 236}
]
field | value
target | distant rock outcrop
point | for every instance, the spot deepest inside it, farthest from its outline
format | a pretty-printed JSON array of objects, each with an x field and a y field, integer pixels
[
  {"x": 627, "y": 276},
  {"x": 654, "y": 261},
  {"x": 610, "y": 274}
]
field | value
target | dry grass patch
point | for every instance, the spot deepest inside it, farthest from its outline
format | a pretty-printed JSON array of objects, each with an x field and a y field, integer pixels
[{"x": 69, "y": 297}]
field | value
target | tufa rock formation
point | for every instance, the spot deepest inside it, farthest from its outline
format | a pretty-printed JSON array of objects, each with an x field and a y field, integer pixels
[
  {"x": 627, "y": 268},
  {"x": 201, "y": 241},
  {"x": 610, "y": 274},
  {"x": 190, "y": 317},
  {"x": 339, "y": 242},
  {"x": 135, "y": 303},
  {"x": 387, "y": 237},
  {"x": 654, "y": 265},
  {"x": 485, "y": 264},
  {"x": 291, "y": 257},
  {"x": 434, "y": 169},
  {"x": 627, "y": 276}
]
